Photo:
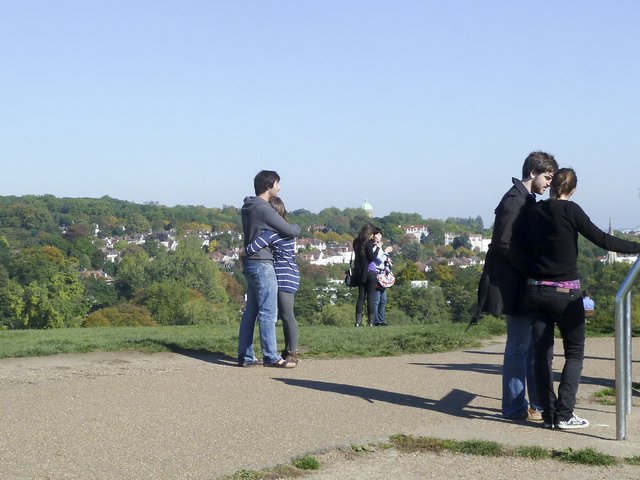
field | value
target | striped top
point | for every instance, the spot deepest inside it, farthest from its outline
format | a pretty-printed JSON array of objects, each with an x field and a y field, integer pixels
[{"x": 284, "y": 258}]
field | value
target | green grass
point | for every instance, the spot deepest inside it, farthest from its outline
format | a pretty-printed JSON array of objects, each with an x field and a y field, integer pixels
[
  {"x": 298, "y": 468},
  {"x": 306, "y": 463},
  {"x": 533, "y": 452},
  {"x": 605, "y": 396},
  {"x": 315, "y": 341},
  {"x": 586, "y": 456},
  {"x": 410, "y": 444},
  {"x": 481, "y": 447},
  {"x": 407, "y": 443}
]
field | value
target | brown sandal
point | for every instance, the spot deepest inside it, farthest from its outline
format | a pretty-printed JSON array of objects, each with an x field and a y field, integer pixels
[{"x": 282, "y": 363}]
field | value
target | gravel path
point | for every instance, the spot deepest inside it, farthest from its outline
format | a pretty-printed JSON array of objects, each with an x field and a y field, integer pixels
[{"x": 179, "y": 416}]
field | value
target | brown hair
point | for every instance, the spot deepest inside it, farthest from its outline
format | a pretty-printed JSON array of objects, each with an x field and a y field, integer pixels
[
  {"x": 539, "y": 162},
  {"x": 278, "y": 206},
  {"x": 364, "y": 236},
  {"x": 564, "y": 182}
]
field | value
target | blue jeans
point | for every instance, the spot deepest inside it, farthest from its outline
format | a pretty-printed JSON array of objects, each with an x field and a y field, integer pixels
[
  {"x": 518, "y": 376},
  {"x": 262, "y": 305},
  {"x": 379, "y": 305}
]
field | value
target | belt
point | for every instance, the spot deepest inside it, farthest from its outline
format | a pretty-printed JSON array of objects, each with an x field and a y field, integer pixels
[
  {"x": 567, "y": 284},
  {"x": 557, "y": 289}
]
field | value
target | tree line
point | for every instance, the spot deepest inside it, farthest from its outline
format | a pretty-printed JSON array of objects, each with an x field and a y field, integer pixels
[{"x": 53, "y": 271}]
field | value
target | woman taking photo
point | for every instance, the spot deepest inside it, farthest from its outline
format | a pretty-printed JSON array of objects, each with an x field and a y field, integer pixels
[
  {"x": 553, "y": 297},
  {"x": 383, "y": 265}
]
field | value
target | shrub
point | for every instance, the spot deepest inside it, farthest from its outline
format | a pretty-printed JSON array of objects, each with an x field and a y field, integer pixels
[
  {"x": 122, "y": 315},
  {"x": 200, "y": 311}
]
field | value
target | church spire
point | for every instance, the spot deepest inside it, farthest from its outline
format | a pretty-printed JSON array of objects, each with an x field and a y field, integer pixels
[{"x": 611, "y": 257}]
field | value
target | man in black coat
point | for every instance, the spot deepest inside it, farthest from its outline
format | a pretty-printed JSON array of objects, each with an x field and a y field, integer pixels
[{"x": 503, "y": 284}]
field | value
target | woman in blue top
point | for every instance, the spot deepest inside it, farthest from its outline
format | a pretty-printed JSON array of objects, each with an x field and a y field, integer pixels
[
  {"x": 383, "y": 264},
  {"x": 288, "y": 275}
]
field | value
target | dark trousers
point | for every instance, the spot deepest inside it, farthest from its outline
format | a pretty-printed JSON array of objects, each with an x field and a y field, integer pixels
[
  {"x": 289, "y": 323},
  {"x": 547, "y": 307},
  {"x": 368, "y": 291}
]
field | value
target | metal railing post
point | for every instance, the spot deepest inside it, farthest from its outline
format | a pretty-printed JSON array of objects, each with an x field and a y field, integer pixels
[
  {"x": 627, "y": 352},
  {"x": 623, "y": 351}
]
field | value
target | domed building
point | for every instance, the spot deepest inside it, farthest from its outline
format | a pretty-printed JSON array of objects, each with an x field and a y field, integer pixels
[{"x": 367, "y": 207}]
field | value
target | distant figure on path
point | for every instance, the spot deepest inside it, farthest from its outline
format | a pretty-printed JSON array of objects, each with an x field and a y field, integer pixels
[
  {"x": 262, "y": 286},
  {"x": 503, "y": 285}
]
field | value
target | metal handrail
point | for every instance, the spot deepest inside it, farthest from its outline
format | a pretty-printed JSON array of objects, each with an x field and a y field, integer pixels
[{"x": 623, "y": 351}]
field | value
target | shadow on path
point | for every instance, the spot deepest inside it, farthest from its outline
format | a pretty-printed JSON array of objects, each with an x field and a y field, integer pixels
[
  {"x": 456, "y": 402},
  {"x": 496, "y": 369},
  {"x": 217, "y": 358}
]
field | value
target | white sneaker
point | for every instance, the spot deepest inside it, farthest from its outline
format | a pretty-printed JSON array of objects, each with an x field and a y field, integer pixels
[{"x": 574, "y": 422}]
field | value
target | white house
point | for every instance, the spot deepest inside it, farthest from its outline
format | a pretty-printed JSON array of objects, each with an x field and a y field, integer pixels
[{"x": 416, "y": 230}]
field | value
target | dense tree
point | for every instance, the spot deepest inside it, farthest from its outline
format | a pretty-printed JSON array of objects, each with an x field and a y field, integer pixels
[
  {"x": 137, "y": 223},
  {"x": 165, "y": 301},
  {"x": 46, "y": 289},
  {"x": 421, "y": 305},
  {"x": 436, "y": 233},
  {"x": 131, "y": 273},
  {"x": 461, "y": 241},
  {"x": 191, "y": 266},
  {"x": 99, "y": 294},
  {"x": 408, "y": 272}
]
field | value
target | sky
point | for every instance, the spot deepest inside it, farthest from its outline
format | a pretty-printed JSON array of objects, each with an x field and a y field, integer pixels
[{"x": 425, "y": 107}]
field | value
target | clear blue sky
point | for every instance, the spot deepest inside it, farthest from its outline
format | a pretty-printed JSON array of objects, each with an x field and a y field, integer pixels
[{"x": 418, "y": 106}]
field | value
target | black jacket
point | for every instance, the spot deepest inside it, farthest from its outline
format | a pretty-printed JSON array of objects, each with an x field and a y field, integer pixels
[
  {"x": 550, "y": 237},
  {"x": 362, "y": 259},
  {"x": 503, "y": 280}
]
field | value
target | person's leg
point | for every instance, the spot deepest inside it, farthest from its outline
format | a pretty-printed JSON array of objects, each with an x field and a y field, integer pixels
[
  {"x": 532, "y": 390},
  {"x": 375, "y": 299},
  {"x": 359, "y": 303},
  {"x": 267, "y": 299},
  {"x": 571, "y": 323},
  {"x": 372, "y": 283},
  {"x": 543, "y": 331},
  {"x": 246, "y": 354},
  {"x": 289, "y": 323},
  {"x": 382, "y": 320},
  {"x": 514, "y": 367}
]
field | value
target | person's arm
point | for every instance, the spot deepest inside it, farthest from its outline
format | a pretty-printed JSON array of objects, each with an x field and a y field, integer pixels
[
  {"x": 370, "y": 252},
  {"x": 278, "y": 224},
  {"x": 596, "y": 236},
  {"x": 510, "y": 210},
  {"x": 508, "y": 231},
  {"x": 265, "y": 239}
]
